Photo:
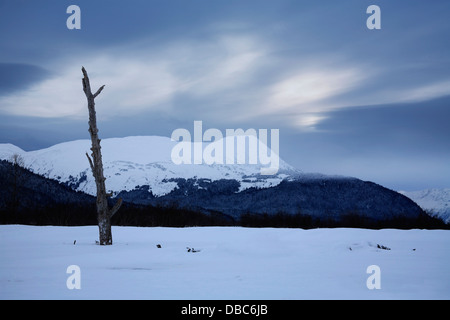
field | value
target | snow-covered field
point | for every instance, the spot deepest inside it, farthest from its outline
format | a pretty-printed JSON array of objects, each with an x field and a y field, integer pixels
[{"x": 229, "y": 263}]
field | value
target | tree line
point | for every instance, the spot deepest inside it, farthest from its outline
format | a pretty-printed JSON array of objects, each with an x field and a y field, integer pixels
[{"x": 149, "y": 216}]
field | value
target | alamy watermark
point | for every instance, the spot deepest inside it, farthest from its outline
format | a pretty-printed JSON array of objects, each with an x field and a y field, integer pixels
[
  {"x": 374, "y": 280},
  {"x": 374, "y": 21},
  {"x": 74, "y": 20},
  {"x": 236, "y": 147},
  {"x": 74, "y": 280}
]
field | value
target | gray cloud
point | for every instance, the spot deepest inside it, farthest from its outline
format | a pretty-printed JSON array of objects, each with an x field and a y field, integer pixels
[
  {"x": 18, "y": 76},
  {"x": 405, "y": 127},
  {"x": 403, "y": 146}
]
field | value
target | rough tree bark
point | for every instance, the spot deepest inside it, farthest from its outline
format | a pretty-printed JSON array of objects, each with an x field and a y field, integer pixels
[{"x": 104, "y": 214}]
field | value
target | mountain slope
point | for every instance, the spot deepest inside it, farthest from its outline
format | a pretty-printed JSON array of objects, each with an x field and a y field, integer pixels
[
  {"x": 28, "y": 198},
  {"x": 134, "y": 161},
  {"x": 324, "y": 198},
  {"x": 434, "y": 201},
  {"x": 38, "y": 191}
]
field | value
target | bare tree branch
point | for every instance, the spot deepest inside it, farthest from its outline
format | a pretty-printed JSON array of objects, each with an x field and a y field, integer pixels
[
  {"x": 115, "y": 208},
  {"x": 98, "y": 91},
  {"x": 90, "y": 163},
  {"x": 86, "y": 83}
]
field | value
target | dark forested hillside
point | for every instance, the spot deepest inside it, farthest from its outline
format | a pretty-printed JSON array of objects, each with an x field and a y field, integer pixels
[
  {"x": 320, "y": 197},
  {"x": 29, "y": 198}
]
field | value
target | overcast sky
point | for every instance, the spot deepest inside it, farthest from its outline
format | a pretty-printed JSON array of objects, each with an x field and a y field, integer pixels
[{"x": 374, "y": 104}]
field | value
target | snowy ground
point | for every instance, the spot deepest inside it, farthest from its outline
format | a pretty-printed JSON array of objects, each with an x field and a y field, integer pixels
[{"x": 233, "y": 263}]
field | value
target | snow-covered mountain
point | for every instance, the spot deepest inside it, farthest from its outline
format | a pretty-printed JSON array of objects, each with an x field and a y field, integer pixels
[
  {"x": 434, "y": 201},
  {"x": 140, "y": 170},
  {"x": 135, "y": 161}
]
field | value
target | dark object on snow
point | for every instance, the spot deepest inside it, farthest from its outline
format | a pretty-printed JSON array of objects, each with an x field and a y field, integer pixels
[
  {"x": 192, "y": 250},
  {"x": 74, "y": 241},
  {"x": 383, "y": 247},
  {"x": 158, "y": 245}
]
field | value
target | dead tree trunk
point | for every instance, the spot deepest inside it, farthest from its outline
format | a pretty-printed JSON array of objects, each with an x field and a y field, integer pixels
[{"x": 104, "y": 214}]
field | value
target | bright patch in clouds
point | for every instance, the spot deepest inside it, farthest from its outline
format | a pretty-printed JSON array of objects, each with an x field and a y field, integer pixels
[
  {"x": 145, "y": 80},
  {"x": 306, "y": 94},
  {"x": 427, "y": 91},
  {"x": 310, "y": 86},
  {"x": 131, "y": 85}
]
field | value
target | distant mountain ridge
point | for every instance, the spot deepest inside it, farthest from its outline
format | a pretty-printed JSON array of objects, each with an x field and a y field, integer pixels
[{"x": 140, "y": 170}]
